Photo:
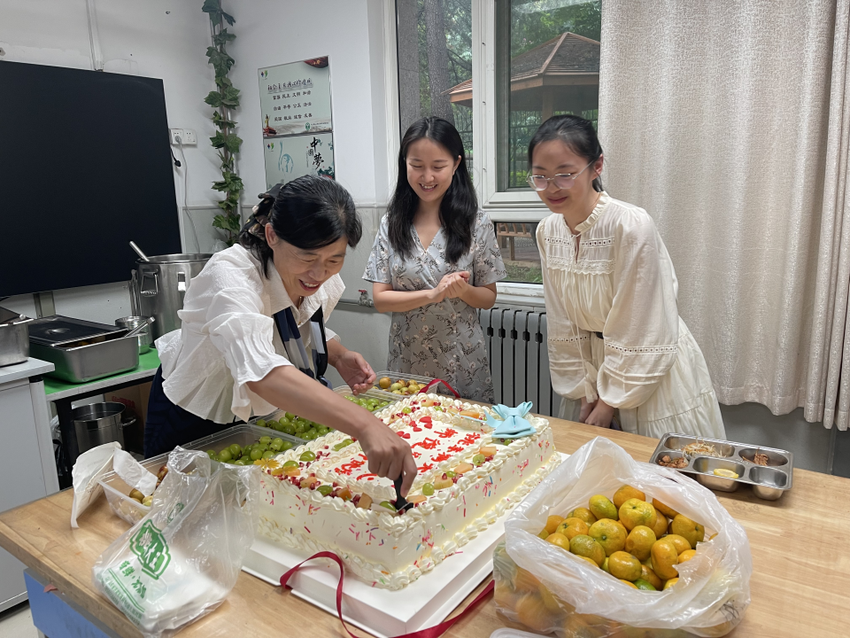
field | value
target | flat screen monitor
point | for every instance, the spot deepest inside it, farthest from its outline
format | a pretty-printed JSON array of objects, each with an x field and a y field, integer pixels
[{"x": 85, "y": 167}]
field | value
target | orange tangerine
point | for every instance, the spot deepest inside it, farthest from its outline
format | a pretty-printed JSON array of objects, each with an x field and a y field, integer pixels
[
  {"x": 639, "y": 542},
  {"x": 524, "y": 581},
  {"x": 550, "y": 601},
  {"x": 640, "y": 583},
  {"x": 636, "y": 512},
  {"x": 679, "y": 542},
  {"x": 573, "y": 527},
  {"x": 688, "y": 554},
  {"x": 624, "y": 566},
  {"x": 669, "y": 512},
  {"x": 624, "y": 493},
  {"x": 559, "y": 540},
  {"x": 605, "y": 565},
  {"x": 650, "y": 576},
  {"x": 691, "y": 530},
  {"x": 660, "y": 527},
  {"x": 601, "y": 507},
  {"x": 664, "y": 559},
  {"x": 589, "y": 560},
  {"x": 608, "y": 534},
  {"x": 584, "y": 545},
  {"x": 533, "y": 613},
  {"x": 671, "y": 582},
  {"x": 584, "y": 514},
  {"x": 628, "y": 582},
  {"x": 543, "y": 534},
  {"x": 552, "y": 523}
]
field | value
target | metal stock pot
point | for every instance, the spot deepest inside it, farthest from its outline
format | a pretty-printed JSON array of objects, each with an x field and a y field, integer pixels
[{"x": 158, "y": 286}]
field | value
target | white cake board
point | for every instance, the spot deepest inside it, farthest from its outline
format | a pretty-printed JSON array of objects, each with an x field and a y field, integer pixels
[{"x": 383, "y": 613}]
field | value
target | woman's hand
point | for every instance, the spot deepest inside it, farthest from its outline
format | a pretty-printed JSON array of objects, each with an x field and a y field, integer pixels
[
  {"x": 586, "y": 409},
  {"x": 355, "y": 371},
  {"x": 389, "y": 455},
  {"x": 600, "y": 415},
  {"x": 451, "y": 286}
]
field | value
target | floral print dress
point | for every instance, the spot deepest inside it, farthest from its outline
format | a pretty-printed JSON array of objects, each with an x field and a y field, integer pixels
[{"x": 442, "y": 340}]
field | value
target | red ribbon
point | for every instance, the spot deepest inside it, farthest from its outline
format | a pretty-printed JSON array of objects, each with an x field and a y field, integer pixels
[
  {"x": 435, "y": 382},
  {"x": 431, "y": 632}
]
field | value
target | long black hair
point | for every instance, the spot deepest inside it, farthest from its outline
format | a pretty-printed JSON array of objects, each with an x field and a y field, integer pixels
[
  {"x": 459, "y": 205},
  {"x": 308, "y": 212},
  {"x": 576, "y": 132}
]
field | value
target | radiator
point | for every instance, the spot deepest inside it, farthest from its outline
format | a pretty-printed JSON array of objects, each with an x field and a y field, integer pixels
[{"x": 519, "y": 361}]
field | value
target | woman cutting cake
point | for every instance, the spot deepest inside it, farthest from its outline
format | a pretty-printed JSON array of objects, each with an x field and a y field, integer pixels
[{"x": 253, "y": 338}]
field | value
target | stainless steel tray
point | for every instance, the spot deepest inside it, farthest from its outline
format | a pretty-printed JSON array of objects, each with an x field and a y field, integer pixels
[
  {"x": 87, "y": 363},
  {"x": 58, "y": 330},
  {"x": 769, "y": 482}
]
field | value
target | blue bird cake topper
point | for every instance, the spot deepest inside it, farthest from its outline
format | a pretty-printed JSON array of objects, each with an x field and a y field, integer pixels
[{"x": 513, "y": 423}]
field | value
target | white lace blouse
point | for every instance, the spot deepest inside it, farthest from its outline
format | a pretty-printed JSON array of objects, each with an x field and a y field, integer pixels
[
  {"x": 228, "y": 336},
  {"x": 621, "y": 285}
]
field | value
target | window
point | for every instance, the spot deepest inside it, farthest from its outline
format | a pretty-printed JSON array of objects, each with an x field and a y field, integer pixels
[
  {"x": 531, "y": 59},
  {"x": 435, "y": 64},
  {"x": 547, "y": 63}
]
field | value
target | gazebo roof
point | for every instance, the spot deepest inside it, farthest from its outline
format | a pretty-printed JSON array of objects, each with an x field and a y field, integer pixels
[{"x": 568, "y": 60}]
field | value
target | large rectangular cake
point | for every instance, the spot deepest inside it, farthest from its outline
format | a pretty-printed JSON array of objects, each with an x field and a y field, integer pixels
[{"x": 321, "y": 496}]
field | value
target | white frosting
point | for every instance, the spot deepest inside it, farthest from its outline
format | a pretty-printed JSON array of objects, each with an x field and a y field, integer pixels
[{"x": 390, "y": 550}]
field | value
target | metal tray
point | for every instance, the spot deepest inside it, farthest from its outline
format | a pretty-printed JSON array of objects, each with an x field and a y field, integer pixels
[
  {"x": 58, "y": 330},
  {"x": 86, "y": 363},
  {"x": 769, "y": 482}
]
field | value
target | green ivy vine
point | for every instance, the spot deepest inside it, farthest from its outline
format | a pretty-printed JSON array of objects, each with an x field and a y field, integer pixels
[{"x": 224, "y": 99}]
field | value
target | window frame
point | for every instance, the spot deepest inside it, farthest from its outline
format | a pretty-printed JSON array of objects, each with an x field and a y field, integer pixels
[{"x": 504, "y": 206}]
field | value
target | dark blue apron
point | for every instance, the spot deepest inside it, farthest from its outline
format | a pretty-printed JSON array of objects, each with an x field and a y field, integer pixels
[{"x": 168, "y": 425}]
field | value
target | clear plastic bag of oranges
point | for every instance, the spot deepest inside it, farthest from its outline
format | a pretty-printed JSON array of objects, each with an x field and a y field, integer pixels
[{"x": 549, "y": 588}]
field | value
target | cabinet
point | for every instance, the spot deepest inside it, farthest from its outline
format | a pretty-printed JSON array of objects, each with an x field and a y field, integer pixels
[{"x": 27, "y": 467}]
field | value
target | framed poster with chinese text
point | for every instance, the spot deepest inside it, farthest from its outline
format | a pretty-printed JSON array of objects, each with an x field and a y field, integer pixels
[
  {"x": 293, "y": 156},
  {"x": 295, "y": 98}
]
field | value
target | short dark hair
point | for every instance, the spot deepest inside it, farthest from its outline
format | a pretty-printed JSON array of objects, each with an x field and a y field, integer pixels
[
  {"x": 308, "y": 212},
  {"x": 576, "y": 132},
  {"x": 459, "y": 205}
]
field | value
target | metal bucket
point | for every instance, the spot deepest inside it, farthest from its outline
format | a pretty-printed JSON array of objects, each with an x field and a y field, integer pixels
[
  {"x": 99, "y": 423},
  {"x": 159, "y": 285}
]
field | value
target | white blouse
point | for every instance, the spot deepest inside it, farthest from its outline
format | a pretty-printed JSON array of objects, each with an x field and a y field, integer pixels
[{"x": 228, "y": 336}]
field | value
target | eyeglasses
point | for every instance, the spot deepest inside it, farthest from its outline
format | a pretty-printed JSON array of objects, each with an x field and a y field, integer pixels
[{"x": 562, "y": 180}]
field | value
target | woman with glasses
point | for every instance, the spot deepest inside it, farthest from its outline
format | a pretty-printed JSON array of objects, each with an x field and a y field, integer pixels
[
  {"x": 616, "y": 341},
  {"x": 253, "y": 340},
  {"x": 434, "y": 262}
]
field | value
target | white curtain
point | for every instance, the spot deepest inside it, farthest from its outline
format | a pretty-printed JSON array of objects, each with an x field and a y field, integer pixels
[{"x": 729, "y": 122}]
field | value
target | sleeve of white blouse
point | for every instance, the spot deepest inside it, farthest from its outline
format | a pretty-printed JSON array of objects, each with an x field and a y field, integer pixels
[
  {"x": 569, "y": 377},
  {"x": 239, "y": 330},
  {"x": 642, "y": 328}
]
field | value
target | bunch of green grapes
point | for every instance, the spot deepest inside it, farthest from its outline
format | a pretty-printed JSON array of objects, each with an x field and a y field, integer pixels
[
  {"x": 370, "y": 403},
  {"x": 264, "y": 448},
  {"x": 296, "y": 426}
]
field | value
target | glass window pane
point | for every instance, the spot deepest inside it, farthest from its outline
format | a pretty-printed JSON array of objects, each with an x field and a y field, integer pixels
[
  {"x": 435, "y": 64},
  {"x": 519, "y": 251},
  {"x": 547, "y": 64}
]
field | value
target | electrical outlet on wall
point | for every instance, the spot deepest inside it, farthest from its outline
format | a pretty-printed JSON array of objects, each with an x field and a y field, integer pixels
[
  {"x": 183, "y": 136},
  {"x": 189, "y": 137}
]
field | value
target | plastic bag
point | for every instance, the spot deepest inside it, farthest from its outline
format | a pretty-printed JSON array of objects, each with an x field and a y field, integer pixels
[
  {"x": 91, "y": 465},
  {"x": 180, "y": 561},
  {"x": 713, "y": 589}
]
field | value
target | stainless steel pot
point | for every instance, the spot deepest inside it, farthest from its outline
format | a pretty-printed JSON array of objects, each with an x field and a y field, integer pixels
[
  {"x": 159, "y": 285},
  {"x": 99, "y": 423},
  {"x": 14, "y": 338}
]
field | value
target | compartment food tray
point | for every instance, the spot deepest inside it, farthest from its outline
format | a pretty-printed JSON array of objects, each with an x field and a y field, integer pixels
[
  {"x": 769, "y": 481},
  {"x": 117, "y": 491}
]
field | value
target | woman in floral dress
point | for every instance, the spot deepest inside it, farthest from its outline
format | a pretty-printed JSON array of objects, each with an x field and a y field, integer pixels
[{"x": 435, "y": 262}]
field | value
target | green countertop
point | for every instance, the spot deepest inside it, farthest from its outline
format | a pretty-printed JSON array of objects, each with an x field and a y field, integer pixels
[{"x": 147, "y": 362}]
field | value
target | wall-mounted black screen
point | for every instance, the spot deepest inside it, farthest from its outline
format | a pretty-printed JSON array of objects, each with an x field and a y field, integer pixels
[{"x": 85, "y": 167}]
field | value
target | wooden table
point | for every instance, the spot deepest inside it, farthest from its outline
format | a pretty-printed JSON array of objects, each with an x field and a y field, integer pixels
[{"x": 801, "y": 560}]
